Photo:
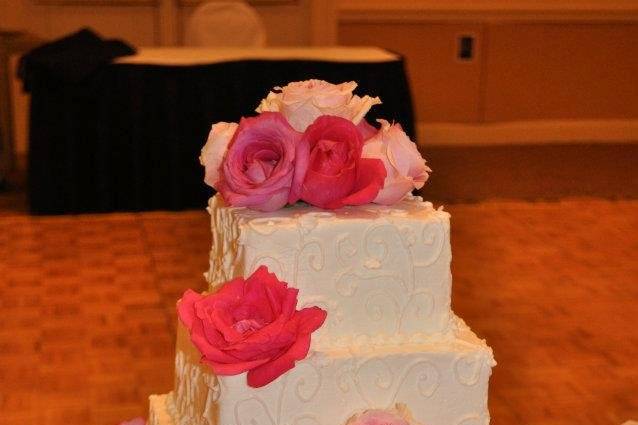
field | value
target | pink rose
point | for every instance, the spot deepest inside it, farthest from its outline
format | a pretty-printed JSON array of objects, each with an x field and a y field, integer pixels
[
  {"x": 302, "y": 102},
  {"x": 405, "y": 167},
  {"x": 214, "y": 150},
  {"x": 399, "y": 415},
  {"x": 330, "y": 172},
  {"x": 250, "y": 325},
  {"x": 258, "y": 169}
]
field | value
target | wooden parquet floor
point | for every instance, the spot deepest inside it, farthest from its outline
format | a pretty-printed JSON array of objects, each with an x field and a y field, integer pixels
[{"x": 88, "y": 319}]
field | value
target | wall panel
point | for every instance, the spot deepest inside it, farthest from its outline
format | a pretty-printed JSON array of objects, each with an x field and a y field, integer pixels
[
  {"x": 133, "y": 23},
  {"x": 561, "y": 71},
  {"x": 444, "y": 88}
]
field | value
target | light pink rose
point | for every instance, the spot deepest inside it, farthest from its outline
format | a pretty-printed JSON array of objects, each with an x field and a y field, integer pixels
[
  {"x": 399, "y": 415},
  {"x": 405, "y": 167},
  {"x": 302, "y": 102},
  {"x": 258, "y": 169},
  {"x": 214, "y": 150},
  {"x": 330, "y": 172}
]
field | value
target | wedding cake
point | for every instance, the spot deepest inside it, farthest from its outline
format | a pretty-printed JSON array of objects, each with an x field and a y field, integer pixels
[{"x": 329, "y": 283}]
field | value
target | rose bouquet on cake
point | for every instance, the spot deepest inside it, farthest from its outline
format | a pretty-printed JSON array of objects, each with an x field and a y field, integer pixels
[{"x": 311, "y": 142}]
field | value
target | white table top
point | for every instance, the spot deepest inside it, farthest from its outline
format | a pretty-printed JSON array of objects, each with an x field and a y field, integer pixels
[{"x": 187, "y": 56}]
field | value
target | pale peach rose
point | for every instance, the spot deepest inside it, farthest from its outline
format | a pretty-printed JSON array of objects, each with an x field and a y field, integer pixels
[
  {"x": 398, "y": 415},
  {"x": 405, "y": 167},
  {"x": 302, "y": 102},
  {"x": 215, "y": 149}
]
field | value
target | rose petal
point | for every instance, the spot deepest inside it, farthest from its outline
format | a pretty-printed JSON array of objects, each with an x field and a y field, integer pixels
[
  {"x": 210, "y": 352},
  {"x": 236, "y": 368},
  {"x": 268, "y": 372},
  {"x": 215, "y": 149},
  {"x": 395, "y": 191},
  {"x": 186, "y": 309},
  {"x": 370, "y": 177},
  {"x": 222, "y": 321},
  {"x": 366, "y": 130},
  {"x": 302, "y": 160},
  {"x": 310, "y": 319}
]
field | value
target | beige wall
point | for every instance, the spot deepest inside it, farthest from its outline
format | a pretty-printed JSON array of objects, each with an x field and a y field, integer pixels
[
  {"x": 444, "y": 88},
  {"x": 287, "y": 23},
  {"x": 561, "y": 71},
  {"x": 136, "y": 24},
  {"x": 521, "y": 71}
]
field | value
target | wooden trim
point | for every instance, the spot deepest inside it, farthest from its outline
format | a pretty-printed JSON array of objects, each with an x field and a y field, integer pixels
[
  {"x": 527, "y": 132},
  {"x": 406, "y": 11}
]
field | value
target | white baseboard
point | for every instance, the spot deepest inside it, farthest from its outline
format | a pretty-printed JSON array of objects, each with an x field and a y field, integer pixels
[{"x": 527, "y": 132}]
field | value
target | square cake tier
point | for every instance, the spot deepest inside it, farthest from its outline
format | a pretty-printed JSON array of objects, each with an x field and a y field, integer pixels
[
  {"x": 378, "y": 271},
  {"x": 442, "y": 381}
]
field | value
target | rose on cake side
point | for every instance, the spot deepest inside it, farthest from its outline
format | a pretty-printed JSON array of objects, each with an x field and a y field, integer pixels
[
  {"x": 398, "y": 415},
  {"x": 302, "y": 102},
  {"x": 250, "y": 325},
  {"x": 340, "y": 159}
]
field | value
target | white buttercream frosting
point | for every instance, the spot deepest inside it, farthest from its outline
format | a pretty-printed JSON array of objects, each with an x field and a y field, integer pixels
[
  {"x": 443, "y": 381},
  {"x": 382, "y": 273}
]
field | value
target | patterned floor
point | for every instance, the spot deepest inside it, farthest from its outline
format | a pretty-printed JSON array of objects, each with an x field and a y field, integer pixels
[{"x": 88, "y": 316}]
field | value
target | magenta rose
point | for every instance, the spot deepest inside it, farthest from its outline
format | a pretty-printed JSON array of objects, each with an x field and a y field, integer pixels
[
  {"x": 330, "y": 172},
  {"x": 250, "y": 325},
  {"x": 258, "y": 169},
  {"x": 366, "y": 130}
]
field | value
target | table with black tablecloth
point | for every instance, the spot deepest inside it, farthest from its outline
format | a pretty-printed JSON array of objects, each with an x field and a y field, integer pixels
[{"x": 129, "y": 137}]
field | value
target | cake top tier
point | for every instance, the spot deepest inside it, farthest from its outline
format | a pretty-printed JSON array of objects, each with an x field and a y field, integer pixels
[
  {"x": 382, "y": 273},
  {"x": 311, "y": 142}
]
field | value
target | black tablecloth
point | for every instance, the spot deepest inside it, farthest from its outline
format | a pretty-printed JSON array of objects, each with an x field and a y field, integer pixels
[{"x": 129, "y": 137}]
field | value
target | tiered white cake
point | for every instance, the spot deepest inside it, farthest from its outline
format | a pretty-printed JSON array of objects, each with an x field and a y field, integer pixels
[{"x": 383, "y": 276}]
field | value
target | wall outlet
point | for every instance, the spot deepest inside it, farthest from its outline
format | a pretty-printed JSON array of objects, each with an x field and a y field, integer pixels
[{"x": 465, "y": 48}]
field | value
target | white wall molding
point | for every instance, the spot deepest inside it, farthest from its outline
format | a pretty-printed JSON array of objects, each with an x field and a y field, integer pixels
[
  {"x": 383, "y": 11},
  {"x": 528, "y": 132}
]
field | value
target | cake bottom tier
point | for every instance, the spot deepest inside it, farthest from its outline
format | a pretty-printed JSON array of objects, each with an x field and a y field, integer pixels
[
  {"x": 442, "y": 381},
  {"x": 158, "y": 412}
]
